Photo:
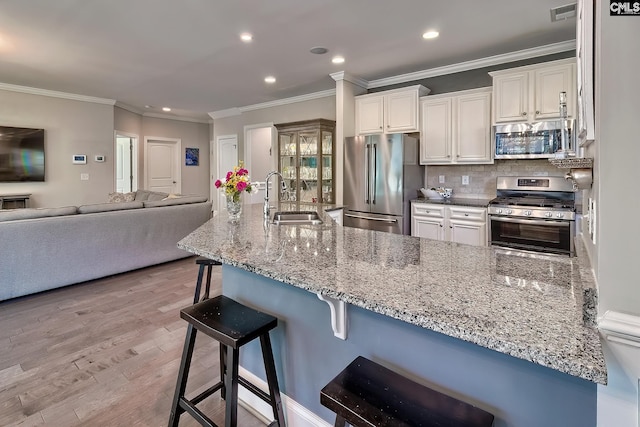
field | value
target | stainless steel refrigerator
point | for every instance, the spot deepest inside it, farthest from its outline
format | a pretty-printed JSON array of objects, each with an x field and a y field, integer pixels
[{"x": 381, "y": 175}]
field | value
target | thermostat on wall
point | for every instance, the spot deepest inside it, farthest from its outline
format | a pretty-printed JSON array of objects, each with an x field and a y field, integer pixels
[
  {"x": 79, "y": 159},
  {"x": 99, "y": 158}
]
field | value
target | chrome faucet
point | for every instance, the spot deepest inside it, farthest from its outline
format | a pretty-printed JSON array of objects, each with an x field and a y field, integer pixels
[{"x": 266, "y": 207}]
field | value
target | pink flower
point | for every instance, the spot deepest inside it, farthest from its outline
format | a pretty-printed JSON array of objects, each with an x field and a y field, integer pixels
[
  {"x": 241, "y": 185},
  {"x": 229, "y": 175},
  {"x": 218, "y": 183},
  {"x": 243, "y": 172}
]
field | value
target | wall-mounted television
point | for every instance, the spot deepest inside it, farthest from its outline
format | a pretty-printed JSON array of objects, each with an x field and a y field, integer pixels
[{"x": 21, "y": 154}]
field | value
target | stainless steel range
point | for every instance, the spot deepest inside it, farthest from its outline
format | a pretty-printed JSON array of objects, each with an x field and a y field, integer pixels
[{"x": 533, "y": 213}]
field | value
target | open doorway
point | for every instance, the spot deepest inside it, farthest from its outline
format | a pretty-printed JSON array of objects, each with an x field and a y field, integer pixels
[
  {"x": 126, "y": 162},
  {"x": 260, "y": 153}
]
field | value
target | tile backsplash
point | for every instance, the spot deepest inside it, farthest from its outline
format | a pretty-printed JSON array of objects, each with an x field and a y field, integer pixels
[{"x": 482, "y": 178}]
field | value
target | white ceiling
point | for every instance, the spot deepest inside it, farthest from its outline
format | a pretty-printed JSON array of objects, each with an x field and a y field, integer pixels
[{"x": 186, "y": 54}]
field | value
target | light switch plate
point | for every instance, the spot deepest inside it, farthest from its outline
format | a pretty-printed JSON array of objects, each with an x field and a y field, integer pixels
[
  {"x": 84, "y": 177},
  {"x": 465, "y": 179},
  {"x": 441, "y": 179}
]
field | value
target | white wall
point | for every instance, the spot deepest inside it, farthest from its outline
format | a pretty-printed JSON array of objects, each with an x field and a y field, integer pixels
[
  {"x": 71, "y": 127},
  {"x": 617, "y": 177}
]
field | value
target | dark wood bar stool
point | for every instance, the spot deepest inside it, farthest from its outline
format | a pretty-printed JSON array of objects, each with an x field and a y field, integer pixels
[
  {"x": 366, "y": 394},
  {"x": 232, "y": 325},
  {"x": 208, "y": 264}
]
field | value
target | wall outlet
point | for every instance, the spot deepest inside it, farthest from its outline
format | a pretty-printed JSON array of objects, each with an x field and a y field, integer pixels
[
  {"x": 84, "y": 177},
  {"x": 465, "y": 179},
  {"x": 441, "y": 179}
]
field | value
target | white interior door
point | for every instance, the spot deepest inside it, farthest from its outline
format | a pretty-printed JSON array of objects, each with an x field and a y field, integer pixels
[
  {"x": 162, "y": 164},
  {"x": 259, "y": 146},
  {"x": 227, "y": 159},
  {"x": 125, "y": 163}
]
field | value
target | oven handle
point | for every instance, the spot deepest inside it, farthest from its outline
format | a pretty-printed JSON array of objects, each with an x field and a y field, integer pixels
[{"x": 530, "y": 221}]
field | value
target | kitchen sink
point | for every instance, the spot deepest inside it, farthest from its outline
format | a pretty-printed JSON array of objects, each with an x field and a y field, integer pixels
[{"x": 296, "y": 217}]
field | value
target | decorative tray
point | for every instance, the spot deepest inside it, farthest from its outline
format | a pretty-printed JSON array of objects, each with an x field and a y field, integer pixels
[{"x": 572, "y": 163}]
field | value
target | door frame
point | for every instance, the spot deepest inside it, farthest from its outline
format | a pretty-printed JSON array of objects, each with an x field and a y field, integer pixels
[
  {"x": 216, "y": 174},
  {"x": 134, "y": 156},
  {"x": 178, "y": 164}
]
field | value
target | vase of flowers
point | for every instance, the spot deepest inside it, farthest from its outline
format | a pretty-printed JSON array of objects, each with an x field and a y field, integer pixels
[{"x": 236, "y": 182}]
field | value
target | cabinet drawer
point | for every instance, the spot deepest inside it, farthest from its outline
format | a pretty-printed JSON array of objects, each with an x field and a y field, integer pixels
[
  {"x": 428, "y": 210},
  {"x": 467, "y": 213}
]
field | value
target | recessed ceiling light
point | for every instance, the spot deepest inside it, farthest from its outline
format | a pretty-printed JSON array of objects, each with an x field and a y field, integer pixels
[
  {"x": 430, "y": 35},
  {"x": 269, "y": 79},
  {"x": 337, "y": 60},
  {"x": 167, "y": 109},
  {"x": 246, "y": 37},
  {"x": 319, "y": 50}
]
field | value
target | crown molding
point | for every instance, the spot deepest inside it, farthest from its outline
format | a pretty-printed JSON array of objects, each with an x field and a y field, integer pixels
[
  {"x": 475, "y": 64},
  {"x": 56, "y": 94},
  {"x": 292, "y": 100},
  {"x": 178, "y": 118},
  {"x": 341, "y": 75},
  {"x": 229, "y": 112},
  {"x": 129, "y": 108}
]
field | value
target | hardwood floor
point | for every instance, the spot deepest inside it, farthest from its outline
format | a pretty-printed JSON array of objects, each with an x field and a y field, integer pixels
[{"x": 106, "y": 352}]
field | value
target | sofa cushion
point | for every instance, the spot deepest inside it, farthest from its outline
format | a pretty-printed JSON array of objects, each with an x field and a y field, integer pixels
[
  {"x": 179, "y": 201},
  {"x": 142, "y": 195},
  {"x": 107, "y": 207},
  {"x": 121, "y": 197},
  {"x": 30, "y": 213}
]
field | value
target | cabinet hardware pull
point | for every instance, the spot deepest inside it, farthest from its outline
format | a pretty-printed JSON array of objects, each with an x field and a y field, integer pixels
[
  {"x": 537, "y": 112},
  {"x": 466, "y": 214},
  {"x": 524, "y": 114}
]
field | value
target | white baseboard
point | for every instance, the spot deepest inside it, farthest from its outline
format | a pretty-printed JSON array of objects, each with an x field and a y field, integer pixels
[{"x": 295, "y": 414}]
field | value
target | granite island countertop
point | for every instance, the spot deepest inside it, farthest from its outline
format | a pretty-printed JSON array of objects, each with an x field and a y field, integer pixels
[{"x": 534, "y": 307}]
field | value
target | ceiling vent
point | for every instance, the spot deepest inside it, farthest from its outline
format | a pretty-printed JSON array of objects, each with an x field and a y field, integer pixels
[{"x": 561, "y": 13}]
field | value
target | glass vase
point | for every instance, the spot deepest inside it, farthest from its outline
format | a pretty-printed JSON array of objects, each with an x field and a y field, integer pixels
[{"x": 234, "y": 207}]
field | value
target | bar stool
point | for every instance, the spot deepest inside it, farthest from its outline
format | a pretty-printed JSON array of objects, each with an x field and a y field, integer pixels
[
  {"x": 366, "y": 394},
  {"x": 208, "y": 264},
  {"x": 232, "y": 325}
]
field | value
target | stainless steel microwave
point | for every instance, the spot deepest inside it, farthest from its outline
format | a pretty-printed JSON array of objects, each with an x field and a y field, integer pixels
[{"x": 531, "y": 140}]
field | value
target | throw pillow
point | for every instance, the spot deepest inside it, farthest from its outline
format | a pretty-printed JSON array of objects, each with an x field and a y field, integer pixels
[
  {"x": 172, "y": 196},
  {"x": 121, "y": 197}
]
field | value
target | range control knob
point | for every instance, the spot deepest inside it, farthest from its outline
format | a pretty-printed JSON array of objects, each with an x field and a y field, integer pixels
[
  {"x": 548, "y": 214},
  {"x": 560, "y": 215},
  {"x": 509, "y": 211},
  {"x": 499, "y": 211},
  {"x": 527, "y": 213}
]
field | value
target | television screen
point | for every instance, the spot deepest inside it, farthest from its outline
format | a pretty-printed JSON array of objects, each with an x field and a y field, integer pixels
[{"x": 21, "y": 154}]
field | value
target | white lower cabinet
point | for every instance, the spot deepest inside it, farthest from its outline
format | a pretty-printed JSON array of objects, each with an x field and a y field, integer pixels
[{"x": 460, "y": 224}]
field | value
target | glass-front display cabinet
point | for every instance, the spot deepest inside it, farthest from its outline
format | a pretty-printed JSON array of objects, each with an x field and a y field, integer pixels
[{"x": 306, "y": 158}]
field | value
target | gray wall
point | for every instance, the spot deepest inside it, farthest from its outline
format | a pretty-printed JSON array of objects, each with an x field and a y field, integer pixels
[
  {"x": 71, "y": 127},
  {"x": 79, "y": 127},
  {"x": 320, "y": 108}
]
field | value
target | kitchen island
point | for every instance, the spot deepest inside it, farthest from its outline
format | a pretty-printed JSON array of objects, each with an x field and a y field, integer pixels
[{"x": 510, "y": 332}]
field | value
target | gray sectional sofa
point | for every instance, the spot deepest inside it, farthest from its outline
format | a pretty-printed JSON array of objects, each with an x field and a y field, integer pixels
[{"x": 42, "y": 249}]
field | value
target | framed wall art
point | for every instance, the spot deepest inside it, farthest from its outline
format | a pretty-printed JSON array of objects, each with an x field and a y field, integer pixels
[{"x": 192, "y": 157}]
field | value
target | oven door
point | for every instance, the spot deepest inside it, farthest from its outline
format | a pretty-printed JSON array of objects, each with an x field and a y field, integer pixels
[{"x": 533, "y": 234}]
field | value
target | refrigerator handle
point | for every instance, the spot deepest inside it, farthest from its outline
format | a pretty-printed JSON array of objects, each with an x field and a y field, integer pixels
[
  {"x": 366, "y": 173},
  {"x": 375, "y": 172}
]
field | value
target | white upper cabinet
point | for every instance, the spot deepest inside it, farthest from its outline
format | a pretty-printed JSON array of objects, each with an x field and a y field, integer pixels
[
  {"x": 532, "y": 93},
  {"x": 456, "y": 127},
  {"x": 392, "y": 111}
]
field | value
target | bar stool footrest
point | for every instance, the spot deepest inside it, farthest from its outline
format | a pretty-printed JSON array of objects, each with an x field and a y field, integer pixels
[
  {"x": 255, "y": 390},
  {"x": 196, "y": 413}
]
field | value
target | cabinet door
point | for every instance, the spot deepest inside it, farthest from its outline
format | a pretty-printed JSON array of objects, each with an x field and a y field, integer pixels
[
  {"x": 470, "y": 233},
  {"x": 428, "y": 228},
  {"x": 401, "y": 112},
  {"x": 549, "y": 82},
  {"x": 511, "y": 97},
  {"x": 369, "y": 114},
  {"x": 435, "y": 132},
  {"x": 473, "y": 128}
]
